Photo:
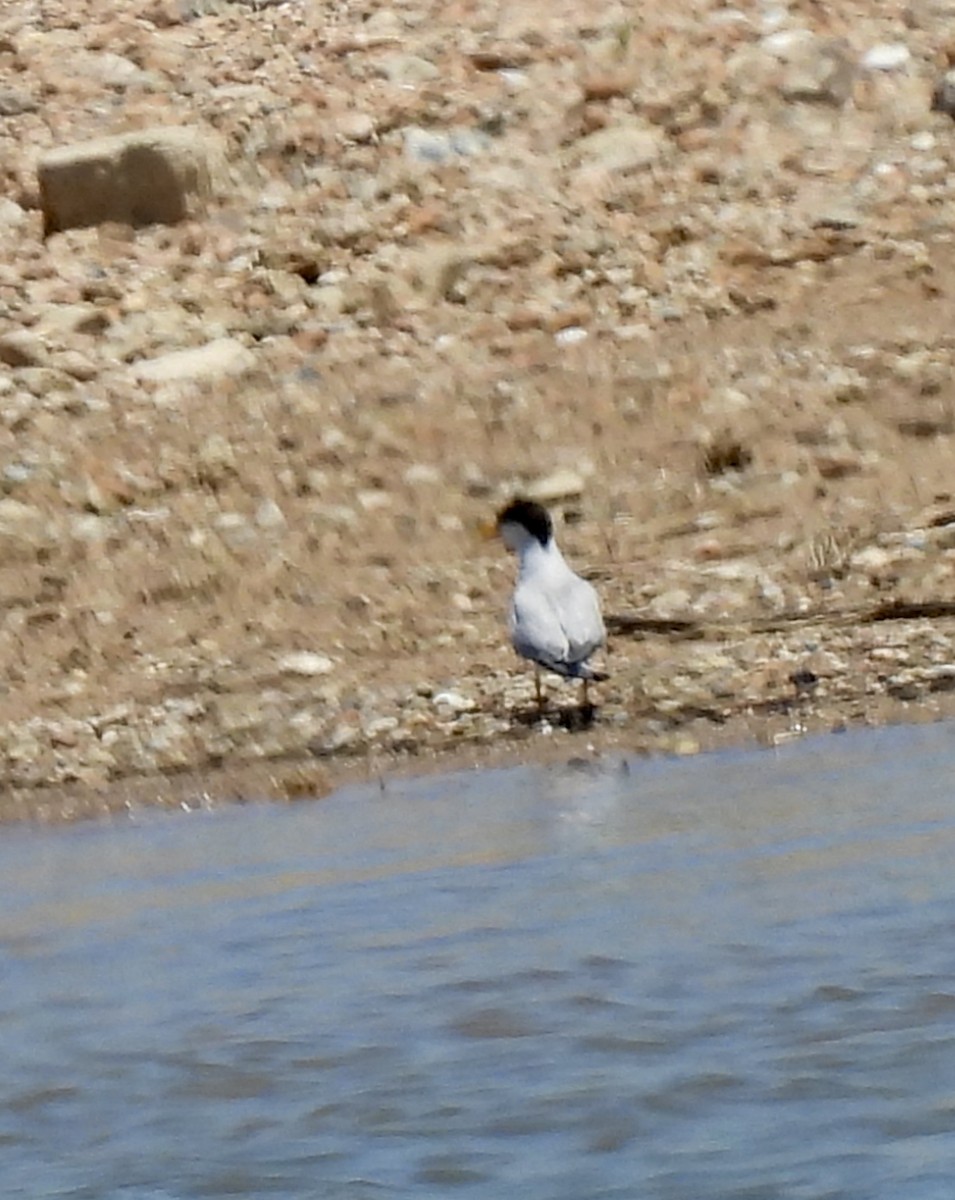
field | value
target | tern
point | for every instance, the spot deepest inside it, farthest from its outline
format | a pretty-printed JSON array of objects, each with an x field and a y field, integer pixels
[{"x": 555, "y": 619}]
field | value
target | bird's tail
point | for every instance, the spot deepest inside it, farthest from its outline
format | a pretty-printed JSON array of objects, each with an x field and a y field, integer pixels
[{"x": 581, "y": 670}]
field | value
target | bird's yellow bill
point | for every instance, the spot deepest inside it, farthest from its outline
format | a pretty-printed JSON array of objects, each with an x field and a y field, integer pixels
[{"x": 487, "y": 529}]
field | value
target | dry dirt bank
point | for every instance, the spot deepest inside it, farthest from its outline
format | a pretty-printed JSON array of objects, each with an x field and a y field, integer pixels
[{"x": 685, "y": 274}]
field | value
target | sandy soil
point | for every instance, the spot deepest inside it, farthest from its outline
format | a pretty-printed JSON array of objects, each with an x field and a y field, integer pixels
[{"x": 722, "y": 353}]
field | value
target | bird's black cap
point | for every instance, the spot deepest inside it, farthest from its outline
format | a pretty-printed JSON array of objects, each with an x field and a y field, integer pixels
[{"x": 533, "y": 516}]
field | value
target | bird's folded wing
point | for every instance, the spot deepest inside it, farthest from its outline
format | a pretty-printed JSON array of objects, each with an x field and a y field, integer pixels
[
  {"x": 536, "y": 630},
  {"x": 579, "y": 615}
]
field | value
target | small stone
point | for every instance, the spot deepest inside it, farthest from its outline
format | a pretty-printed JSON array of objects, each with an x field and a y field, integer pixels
[
  {"x": 77, "y": 365},
  {"x": 22, "y": 349},
  {"x": 620, "y": 149},
  {"x": 61, "y": 320},
  {"x": 355, "y": 127},
  {"x": 563, "y": 484},
  {"x": 16, "y": 516},
  {"x": 340, "y": 738},
  {"x": 452, "y": 701},
  {"x": 11, "y": 213},
  {"x": 234, "y": 529},
  {"x": 871, "y": 558},
  {"x": 673, "y": 603},
  {"x": 225, "y": 356},
  {"x": 817, "y": 71},
  {"x": 888, "y": 56},
  {"x": 14, "y": 103},
  {"x": 381, "y": 725},
  {"x": 573, "y": 335},
  {"x": 216, "y": 459},
  {"x": 422, "y": 473},
  {"x": 408, "y": 70},
  {"x": 269, "y": 516},
  {"x": 430, "y": 147},
  {"x": 305, "y": 662},
  {"x": 606, "y": 83}
]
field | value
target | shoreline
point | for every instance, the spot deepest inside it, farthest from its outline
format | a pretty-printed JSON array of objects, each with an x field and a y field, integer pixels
[{"x": 679, "y": 728}]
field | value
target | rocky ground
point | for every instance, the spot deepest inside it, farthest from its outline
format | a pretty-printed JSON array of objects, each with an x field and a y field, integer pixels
[{"x": 682, "y": 271}]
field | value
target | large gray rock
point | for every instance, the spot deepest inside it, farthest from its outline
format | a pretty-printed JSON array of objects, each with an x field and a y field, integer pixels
[
  {"x": 159, "y": 175},
  {"x": 816, "y": 70}
]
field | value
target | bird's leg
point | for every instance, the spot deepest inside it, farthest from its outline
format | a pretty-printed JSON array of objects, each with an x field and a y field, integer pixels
[
  {"x": 537, "y": 689},
  {"x": 585, "y": 695}
]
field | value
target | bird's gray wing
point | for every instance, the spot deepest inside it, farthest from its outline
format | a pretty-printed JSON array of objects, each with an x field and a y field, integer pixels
[
  {"x": 578, "y": 610},
  {"x": 536, "y": 630}
]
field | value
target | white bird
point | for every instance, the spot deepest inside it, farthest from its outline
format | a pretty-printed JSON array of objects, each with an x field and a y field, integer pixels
[{"x": 555, "y": 616}]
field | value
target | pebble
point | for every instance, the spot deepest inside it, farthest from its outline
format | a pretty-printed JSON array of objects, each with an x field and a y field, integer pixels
[
  {"x": 222, "y": 357},
  {"x": 887, "y": 56},
  {"x": 452, "y": 701},
  {"x": 22, "y": 349},
  {"x": 435, "y": 149},
  {"x": 269, "y": 515},
  {"x": 573, "y": 335},
  {"x": 563, "y": 484},
  {"x": 379, "y": 726},
  {"x": 305, "y": 662}
]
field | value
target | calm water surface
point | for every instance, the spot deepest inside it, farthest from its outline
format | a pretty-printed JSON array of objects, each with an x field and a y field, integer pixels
[{"x": 732, "y": 977}]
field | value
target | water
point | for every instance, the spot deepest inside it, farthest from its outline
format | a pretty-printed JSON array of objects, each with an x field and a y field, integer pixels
[{"x": 731, "y": 978}]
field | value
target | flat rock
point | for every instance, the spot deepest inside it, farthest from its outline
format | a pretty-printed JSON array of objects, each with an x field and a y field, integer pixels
[
  {"x": 887, "y": 56},
  {"x": 432, "y": 147},
  {"x": 14, "y": 102},
  {"x": 409, "y": 70},
  {"x": 563, "y": 484},
  {"x": 22, "y": 349},
  {"x": 620, "y": 148},
  {"x": 224, "y": 356},
  {"x": 305, "y": 662},
  {"x": 817, "y": 70},
  {"x": 161, "y": 175}
]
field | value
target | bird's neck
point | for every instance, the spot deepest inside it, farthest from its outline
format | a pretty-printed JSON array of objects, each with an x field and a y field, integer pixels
[{"x": 534, "y": 558}]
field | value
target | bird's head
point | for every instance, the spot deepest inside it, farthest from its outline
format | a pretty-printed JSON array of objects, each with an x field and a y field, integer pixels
[{"x": 520, "y": 523}]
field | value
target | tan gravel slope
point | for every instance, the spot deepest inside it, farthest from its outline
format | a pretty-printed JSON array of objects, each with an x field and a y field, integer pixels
[{"x": 682, "y": 271}]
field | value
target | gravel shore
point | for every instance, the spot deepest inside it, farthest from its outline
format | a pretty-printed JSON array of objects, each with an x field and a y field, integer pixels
[{"x": 682, "y": 274}]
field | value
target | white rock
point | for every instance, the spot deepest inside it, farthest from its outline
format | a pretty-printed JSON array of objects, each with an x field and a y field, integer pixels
[
  {"x": 379, "y": 725},
  {"x": 453, "y": 701},
  {"x": 11, "y": 214},
  {"x": 224, "y": 356},
  {"x": 563, "y": 484},
  {"x": 871, "y": 558},
  {"x": 620, "y": 148},
  {"x": 16, "y": 516},
  {"x": 422, "y": 473},
  {"x": 305, "y": 662},
  {"x": 408, "y": 70},
  {"x": 888, "y": 56},
  {"x": 269, "y": 516},
  {"x": 570, "y": 336},
  {"x": 163, "y": 174},
  {"x": 432, "y": 146}
]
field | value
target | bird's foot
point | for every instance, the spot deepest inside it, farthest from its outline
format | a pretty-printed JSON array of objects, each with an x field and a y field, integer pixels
[{"x": 578, "y": 718}]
